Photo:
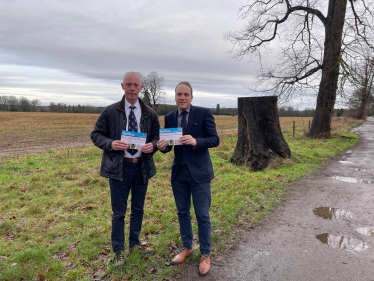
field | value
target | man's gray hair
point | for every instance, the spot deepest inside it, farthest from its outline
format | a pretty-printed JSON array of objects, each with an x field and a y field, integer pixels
[
  {"x": 132, "y": 72},
  {"x": 184, "y": 83}
]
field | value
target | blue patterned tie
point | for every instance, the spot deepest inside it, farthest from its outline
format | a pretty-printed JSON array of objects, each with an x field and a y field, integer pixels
[
  {"x": 184, "y": 129},
  {"x": 184, "y": 122},
  {"x": 133, "y": 127}
]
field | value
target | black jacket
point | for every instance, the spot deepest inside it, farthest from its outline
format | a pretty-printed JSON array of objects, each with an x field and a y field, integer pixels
[{"x": 108, "y": 128}]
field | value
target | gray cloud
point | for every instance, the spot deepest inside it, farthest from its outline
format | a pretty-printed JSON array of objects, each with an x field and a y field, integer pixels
[{"x": 103, "y": 40}]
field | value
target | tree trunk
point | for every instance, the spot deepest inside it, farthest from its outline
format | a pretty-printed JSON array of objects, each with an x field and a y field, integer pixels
[
  {"x": 321, "y": 124},
  {"x": 363, "y": 101},
  {"x": 366, "y": 88},
  {"x": 258, "y": 132}
]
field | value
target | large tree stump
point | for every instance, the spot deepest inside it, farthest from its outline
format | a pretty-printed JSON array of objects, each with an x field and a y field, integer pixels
[{"x": 259, "y": 133}]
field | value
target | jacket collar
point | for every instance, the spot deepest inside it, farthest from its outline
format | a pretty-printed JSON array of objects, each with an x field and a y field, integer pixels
[
  {"x": 143, "y": 107},
  {"x": 193, "y": 116},
  {"x": 180, "y": 111}
]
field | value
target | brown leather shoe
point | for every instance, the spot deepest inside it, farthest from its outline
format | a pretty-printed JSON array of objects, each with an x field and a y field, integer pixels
[
  {"x": 204, "y": 266},
  {"x": 181, "y": 256}
]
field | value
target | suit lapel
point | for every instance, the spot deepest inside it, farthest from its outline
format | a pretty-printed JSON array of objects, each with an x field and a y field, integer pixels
[
  {"x": 192, "y": 119},
  {"x": 174, "y": 119}
]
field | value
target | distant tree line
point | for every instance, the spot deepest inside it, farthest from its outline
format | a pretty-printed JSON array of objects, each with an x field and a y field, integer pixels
[
  {"x": 163, "y": 109},
  {"x": 22, "y": 104},
  {"x": 224, "y": 111},
  {"x": 63, "y": 108},
  {"x": 12, "y": 103},
  {"x": 289, "y": 111}
]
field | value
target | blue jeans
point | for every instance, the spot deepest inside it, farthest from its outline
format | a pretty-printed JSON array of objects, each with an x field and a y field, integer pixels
[
  {"x": 183, "y": 187},
  {"x": 119, "y": 193}
]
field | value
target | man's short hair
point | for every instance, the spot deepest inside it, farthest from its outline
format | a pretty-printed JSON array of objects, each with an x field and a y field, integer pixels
[
  {"x": 132, "y": 72},
  {"x": 184, "y": 83}
]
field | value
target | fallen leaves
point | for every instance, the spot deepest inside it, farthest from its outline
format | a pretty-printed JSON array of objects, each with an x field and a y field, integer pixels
[
  {"x": 152, "y": 270},
  {"x": 59, "y": 255},
  {"x": 41, "y": 277}
]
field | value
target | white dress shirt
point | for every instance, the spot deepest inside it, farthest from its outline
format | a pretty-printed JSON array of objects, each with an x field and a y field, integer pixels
[{"x": 138, "y": 115}]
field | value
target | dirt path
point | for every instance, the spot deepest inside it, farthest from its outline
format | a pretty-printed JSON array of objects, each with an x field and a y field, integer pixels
[{"x": 324, "y": 229}]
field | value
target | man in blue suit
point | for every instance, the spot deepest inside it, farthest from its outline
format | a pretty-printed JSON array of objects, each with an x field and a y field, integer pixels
[{"x": 192, "y": 170}]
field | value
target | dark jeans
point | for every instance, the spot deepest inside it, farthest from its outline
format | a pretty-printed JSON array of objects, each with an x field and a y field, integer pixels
[
  {"x": 119, "y": 193},
  {"x": 183, "y": 187}
]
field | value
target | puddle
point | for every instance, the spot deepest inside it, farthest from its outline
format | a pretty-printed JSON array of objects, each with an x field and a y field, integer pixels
[
  {"x": 360, "y": 170},
  {"x": 351, "y": 180},
  {"x": 346, "y": 162},
  {"x": 332, "y": 213},
  {"x": 368, "y": 231},
  {"x": 341, "y": 242}
]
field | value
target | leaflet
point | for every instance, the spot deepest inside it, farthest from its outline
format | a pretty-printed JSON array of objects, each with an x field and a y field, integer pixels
[
  {"x": 135, "y": 139},
  {"x": 171, "y": 135}
]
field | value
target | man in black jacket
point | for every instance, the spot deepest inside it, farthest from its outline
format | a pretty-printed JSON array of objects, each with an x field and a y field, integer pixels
[{"x": 127, "y": 169}]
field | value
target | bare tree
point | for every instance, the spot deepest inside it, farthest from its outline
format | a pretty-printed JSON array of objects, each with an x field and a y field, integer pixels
[
  {"x": 12, "y": 103},
  {"x": 153, "y": 92},
  {"x": 361, "y": 77},
  {"x": 35, "y": 104},
  {"x": 24, "y": 104},
  {"x": 312, "y": 47}
]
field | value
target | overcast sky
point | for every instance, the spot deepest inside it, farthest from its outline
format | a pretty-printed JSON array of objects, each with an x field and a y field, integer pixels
[{"x": 76, "y": 52}]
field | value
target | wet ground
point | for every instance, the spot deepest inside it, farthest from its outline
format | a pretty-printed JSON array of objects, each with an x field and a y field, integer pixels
[{"x": 324, "y": 229}]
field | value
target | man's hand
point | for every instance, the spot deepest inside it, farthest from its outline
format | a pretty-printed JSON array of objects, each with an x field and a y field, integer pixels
[
  {"x": 119, "y": 145},
  {"x": 188, "y": 140},
  {"x": 161, "y": 145},
  {"x": 147, "y": 148}
]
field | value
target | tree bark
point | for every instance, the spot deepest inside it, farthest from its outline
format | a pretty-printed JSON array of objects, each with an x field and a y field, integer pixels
[
  {"x": 366, "y": 88},
  {"x": 363, "y": 101},
  {"x": 321, "y": 124},
  {"x": 258, "y": 132}
]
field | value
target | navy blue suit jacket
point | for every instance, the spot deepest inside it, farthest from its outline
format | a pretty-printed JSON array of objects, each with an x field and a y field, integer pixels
[{"x": 202, "y": 127}]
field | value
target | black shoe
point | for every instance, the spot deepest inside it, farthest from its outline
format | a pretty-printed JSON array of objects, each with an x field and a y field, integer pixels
[
  {"x": 143, "y": 250},
  {"x": 119, "y": 259}
]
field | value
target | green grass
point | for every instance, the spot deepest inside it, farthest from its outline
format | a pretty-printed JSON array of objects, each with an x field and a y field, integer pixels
[{"x": 55, "y": 210}]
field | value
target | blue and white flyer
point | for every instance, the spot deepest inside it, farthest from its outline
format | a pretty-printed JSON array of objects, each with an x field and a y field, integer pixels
[
  {"x": 134, "y": 139},
  {"x": 171, "y": 136}
]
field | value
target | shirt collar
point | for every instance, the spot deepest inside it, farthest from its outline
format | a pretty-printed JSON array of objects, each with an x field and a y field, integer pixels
[
  {"x": 127, "y": 104},
  {"x": 180, "y": 111}
]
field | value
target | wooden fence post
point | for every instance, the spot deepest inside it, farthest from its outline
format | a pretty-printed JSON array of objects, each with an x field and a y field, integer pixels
[
  {"x": 293, "y": 129},
  {"x": 309, "y": 127}
]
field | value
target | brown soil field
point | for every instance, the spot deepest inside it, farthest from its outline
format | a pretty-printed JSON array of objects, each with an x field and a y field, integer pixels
[{"x": 33, "y": 132}]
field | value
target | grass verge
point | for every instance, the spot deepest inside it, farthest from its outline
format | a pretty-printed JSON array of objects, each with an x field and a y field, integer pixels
[{"x": 55, "y": 209}]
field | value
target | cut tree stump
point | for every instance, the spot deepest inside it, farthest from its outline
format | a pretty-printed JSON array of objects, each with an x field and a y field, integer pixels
[{"x": 259, "y": 133}]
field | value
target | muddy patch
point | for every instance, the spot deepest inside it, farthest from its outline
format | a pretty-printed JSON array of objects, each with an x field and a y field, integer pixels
[
  {"x": 368, "y": 231},
  {"x": 343, "y": 243},
  {"x": 360, "y": 170},
  {"x": 351, "y": 180},
  {"x": 346, "y": 162},
  {"x": 332, "y": 213}
]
